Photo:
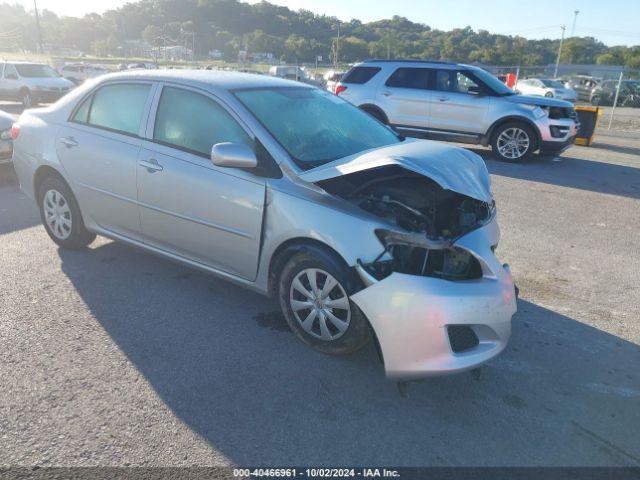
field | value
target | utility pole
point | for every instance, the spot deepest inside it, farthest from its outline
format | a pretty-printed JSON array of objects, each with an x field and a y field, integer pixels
[
  {"x": 39, "y": 46},
  {"x": 335, "y": 60},
  {"x": 555, "y": 74},
  {"x": 575, "y": 17}
]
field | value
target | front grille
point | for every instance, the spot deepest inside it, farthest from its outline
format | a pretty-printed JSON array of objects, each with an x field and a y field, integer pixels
[
  {"x": 556, "y": 113},
  {"x": 462, "y": 338}
]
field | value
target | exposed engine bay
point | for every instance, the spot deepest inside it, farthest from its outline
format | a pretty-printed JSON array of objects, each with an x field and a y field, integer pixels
[{"x": 430, "y": 220}]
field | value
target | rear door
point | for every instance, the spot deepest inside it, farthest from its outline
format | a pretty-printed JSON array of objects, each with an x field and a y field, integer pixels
[
  {"x": 99, "y": 149},
  {"x": 405, "y": 97},
  {"x": 188, "y": 206},
  {"x": 458, "y": 104}
]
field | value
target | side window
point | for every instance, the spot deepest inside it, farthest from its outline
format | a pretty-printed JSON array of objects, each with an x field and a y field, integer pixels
[
  {"x": 416, "y": 78},
  {"x": 82, "y": 113},
  {"x": 119, "y": 107},
  {"x": 454, "y": 81},
  {"x": 10, "y": 72},
  {"x": 360, "y": 75},
  {"x": 194, "y": 122}
]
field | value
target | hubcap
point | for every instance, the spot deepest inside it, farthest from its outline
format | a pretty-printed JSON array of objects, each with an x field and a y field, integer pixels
[
  {"x": 57, "y": 214},
  {"x": 320, "y": 304},
  {"x": 513, "y": 143}
]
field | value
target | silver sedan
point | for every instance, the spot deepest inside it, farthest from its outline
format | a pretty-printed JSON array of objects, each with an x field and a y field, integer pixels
[{"x": 288, "y": 190}]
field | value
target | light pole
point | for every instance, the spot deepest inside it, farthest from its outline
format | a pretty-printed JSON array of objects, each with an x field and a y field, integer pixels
[
  {"x": 575, "y": 17},
  {"x": 39, "y": 46},
  {"x": 555, "y": 74}
]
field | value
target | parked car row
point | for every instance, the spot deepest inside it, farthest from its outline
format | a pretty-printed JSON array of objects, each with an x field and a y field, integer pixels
[{"x": 31, "y": 83}]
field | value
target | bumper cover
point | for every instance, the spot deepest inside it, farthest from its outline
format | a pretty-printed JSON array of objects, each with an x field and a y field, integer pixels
[
  {"x": 555, "y": 147},
  {"x": 410, "y": 314}
]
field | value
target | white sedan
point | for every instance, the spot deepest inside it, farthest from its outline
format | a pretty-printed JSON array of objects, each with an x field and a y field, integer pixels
[{"x": 546, "y": 87}]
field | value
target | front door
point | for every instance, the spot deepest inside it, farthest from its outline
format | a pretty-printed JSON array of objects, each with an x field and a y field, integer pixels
[
  {"x": 456, "y": 104},
  {"x": 188, "y": 206}
]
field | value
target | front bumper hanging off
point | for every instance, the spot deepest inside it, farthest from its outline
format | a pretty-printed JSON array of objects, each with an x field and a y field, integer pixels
[{"x": 429, "y": 326}]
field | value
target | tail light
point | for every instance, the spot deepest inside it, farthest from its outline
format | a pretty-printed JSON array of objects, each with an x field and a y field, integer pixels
[
  {"x": 340, "y": 89},
  {"x": 15, "y": 131}
]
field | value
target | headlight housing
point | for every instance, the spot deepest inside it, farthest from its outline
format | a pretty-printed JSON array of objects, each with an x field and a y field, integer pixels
[{"x": 539, "y": 112}]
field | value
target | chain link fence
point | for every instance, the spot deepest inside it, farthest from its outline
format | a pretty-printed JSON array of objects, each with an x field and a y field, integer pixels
[{"x": 615, "y": 89}]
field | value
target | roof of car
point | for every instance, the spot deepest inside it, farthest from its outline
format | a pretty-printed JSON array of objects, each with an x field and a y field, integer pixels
[
  {"x": 206, "y": 78},
  {"x": 439, "y": 63}
]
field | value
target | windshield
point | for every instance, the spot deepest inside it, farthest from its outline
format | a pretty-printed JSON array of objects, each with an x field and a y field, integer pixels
[
  {"x": 29, "y": 70},
  {"x": 314, "y": 126},
  {"x": 492, "y": 82},
  {"x": 552, "y": 83}
]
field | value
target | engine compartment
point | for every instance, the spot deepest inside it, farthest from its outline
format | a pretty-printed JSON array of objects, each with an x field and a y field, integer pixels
[{"x": 430, "y": 219}]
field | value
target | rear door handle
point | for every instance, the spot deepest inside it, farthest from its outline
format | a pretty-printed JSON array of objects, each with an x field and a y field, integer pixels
[
  {"x": 152, "y": 165},
  {"x": 443, "y": 99},
  {"x": 387, "y": 94},
  {"x": 69, "y": 142}
]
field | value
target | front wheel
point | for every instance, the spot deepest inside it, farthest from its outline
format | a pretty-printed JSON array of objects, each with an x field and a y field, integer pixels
[
  {"x": 549, "y": 94},
  {"x": 595, "y": 100},
  {"x": 314, "y": 290},
  {"x": 513, "y": 142},
  {"x": 61, "y": 215}
]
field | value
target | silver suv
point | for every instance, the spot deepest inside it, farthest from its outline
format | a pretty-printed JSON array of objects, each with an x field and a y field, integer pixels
[
  {"x": 461, "y": 103},
  {"x": 31, "y": 83}
]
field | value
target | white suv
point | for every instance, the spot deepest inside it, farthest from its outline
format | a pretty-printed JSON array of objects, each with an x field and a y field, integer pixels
[{"x": 461, "y": 103}]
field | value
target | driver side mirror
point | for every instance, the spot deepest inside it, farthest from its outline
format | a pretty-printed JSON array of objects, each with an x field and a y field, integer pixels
[{"x": 234, "y": 155}]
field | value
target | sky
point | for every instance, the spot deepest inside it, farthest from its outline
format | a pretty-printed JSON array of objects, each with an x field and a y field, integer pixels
[{"x": 614, "y": 22}]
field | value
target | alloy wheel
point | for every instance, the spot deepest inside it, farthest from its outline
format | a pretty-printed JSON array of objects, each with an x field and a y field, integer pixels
[
  {"x": 320, "y": 304},
  {"x": 513, "y": 143},
  {"x": 57, "y": 214}
]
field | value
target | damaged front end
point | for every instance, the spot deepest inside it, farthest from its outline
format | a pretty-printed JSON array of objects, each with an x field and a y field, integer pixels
[
  {"x": 436, "y": 296},
  {"x": 429, "y": 218}
]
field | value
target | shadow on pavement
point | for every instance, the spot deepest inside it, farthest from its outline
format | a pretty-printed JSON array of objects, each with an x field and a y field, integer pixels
[
  {"x": 219, "y": 356},
  {"x": 17, "y": 212},
  {"x": 571, "y": 172}
]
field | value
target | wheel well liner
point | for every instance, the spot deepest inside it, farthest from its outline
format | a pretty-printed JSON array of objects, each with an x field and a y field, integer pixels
[
  {"x": 288, "y": 249},
  {"x": 486, "y": 140},
  {"x": 370, "y": 107}
]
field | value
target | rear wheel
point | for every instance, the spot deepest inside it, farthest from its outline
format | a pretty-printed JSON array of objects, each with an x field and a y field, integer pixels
[
  {"x": 549, "y": 94},
  {"x": 513, "y": 142},
  {"x": 595, "y": 100},
  {"x": 314, "y": 290},
  {"x": 61, "y": 215},
  {"x": 377, "y": 114}
]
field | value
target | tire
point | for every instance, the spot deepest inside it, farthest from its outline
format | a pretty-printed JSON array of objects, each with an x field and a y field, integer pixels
[
  {"x": 549, "y": 94},
  {"x": 377, "y": 114},
  {"x": 595, "y": 100},
  {"x": 509, "y": 132},
  {"x": 61, "y": 215},
  {"x": 26, "y": 99},
  {"x": 348, "y": 331}
]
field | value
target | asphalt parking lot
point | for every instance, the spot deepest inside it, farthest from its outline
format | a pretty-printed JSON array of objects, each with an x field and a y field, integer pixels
[{"x": 111, "y": 356}]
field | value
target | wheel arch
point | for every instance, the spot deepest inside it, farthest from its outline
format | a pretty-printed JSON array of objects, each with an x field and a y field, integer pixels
[
  {"x": 486, "y": 139},
  {"x": 42, "y": 173},
  {"x": 371, "y": 107},
  {"x": 288, "y": 249}
]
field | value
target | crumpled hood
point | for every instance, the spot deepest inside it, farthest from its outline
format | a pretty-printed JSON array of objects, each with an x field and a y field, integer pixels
[
  {"x": 453, "y": 168},
  {"x": 541, "y": 101}
]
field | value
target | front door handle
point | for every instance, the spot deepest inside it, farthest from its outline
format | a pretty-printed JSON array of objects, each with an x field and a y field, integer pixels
[
  {"x": 69, "y": 142},
  {"x": 443, "y": 99},
  {"x": 387, "y": 94},
  {"x": 151, "y": 165}
]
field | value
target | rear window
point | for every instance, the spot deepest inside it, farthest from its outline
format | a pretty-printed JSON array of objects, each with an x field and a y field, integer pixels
[
  {"x": 360, "y": 75},
  {"x": 416, "y": 78}
]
